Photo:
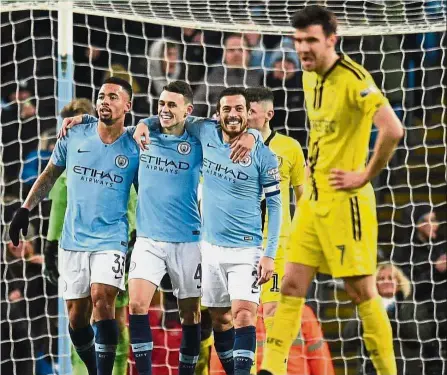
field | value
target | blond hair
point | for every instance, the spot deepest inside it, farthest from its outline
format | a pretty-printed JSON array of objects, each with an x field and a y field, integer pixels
[
  {"x": 76, "y": 107},
  {"x": 403, "y": 283}
]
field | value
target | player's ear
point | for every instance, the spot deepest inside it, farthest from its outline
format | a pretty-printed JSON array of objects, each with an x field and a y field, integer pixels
[
  {"x": 128, "y": 106},
  {"x": 189, "y": 109},
  {"x": 332, "y": 39},
  {"x": 270, "y": 113}
]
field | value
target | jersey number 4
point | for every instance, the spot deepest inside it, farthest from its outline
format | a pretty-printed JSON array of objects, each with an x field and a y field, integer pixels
[{"x": 198, "y": 275}]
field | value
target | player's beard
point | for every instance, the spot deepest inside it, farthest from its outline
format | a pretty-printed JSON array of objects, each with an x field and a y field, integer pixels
[
  {"x": 234, "y": 133},
  {"x": 106, "y": 118}
]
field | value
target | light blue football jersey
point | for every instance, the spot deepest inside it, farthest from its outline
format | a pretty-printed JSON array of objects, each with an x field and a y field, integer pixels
[
  {"x": 232, "y": 192},
  {"x": 99, "y": 177},
  {"x": 168, "y": 208}
]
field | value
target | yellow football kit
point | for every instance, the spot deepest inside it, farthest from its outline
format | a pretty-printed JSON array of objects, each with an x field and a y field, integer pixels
[
  {"x": 336, "y": 231},
  {"x": 291, "y": 168}
]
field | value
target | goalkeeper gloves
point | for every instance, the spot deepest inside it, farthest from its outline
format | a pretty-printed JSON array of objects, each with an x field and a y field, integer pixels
[
  {"x": 19, "y": 221},
  {"x": 51, "y": 255}
]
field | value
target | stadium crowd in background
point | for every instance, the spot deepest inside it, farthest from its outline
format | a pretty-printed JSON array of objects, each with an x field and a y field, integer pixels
[{"x": 150, "y": 56}]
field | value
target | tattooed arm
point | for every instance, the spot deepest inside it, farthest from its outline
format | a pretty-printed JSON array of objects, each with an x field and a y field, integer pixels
[{"x": 43, "y": 185}]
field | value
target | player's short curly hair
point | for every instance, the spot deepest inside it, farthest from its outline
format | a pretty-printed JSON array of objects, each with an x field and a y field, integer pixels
[
  {"x": 232, "y": 91},
  {"x": 78, "y": 107},
  {"x": 181, "y": 87},
  {"x": 315, "y": 15}
]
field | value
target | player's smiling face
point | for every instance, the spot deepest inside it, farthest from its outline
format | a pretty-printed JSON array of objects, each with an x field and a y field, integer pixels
[
  {"x": 112, "y": 104},
  {"x": 233, "y": 115},
  {"x": 314, "y": 47},
  {"x": 172, "y": 109}
]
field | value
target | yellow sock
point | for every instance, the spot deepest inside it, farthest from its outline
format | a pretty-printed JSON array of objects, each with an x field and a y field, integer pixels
[
  {"x": 378, "y": 336},
  {"x": 203, "y": 364},
  {"x": 254, "y": 366},
  {"x": 286, "y": 324},
  {"x": 268, "y": 324}
]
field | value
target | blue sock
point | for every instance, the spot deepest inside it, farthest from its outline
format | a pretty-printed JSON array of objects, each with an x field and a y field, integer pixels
[
  {"x": 244, "y": 349},
  {"x": 224, "y": 342},
  {"x": 83, "y": 340},
  {"x": 106, "y": 341},
  {"x": 141, "y": 342},
  {"x": 189, "y": 349}
]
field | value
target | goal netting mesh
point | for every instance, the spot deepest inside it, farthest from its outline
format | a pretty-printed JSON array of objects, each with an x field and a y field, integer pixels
[{"x": 150, "y": 43}]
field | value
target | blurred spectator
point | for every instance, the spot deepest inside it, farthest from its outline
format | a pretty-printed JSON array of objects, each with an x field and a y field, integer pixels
[
  {"x": 20, "y": 129},
  {"x": 29, "y": 325},
  {"x": 193, "y": 56},
  {"x": 424, "y": 258},
  {"x": 91, "y": 57},
  {"x": 259, "y": 56},
  {"x": 162, "y": 65},
  {"x": 395, "y": 289},
  {"x": 285, "y": 80},
  {"x": 231, "y": 73},
  {"x": 36, "y": 161}
]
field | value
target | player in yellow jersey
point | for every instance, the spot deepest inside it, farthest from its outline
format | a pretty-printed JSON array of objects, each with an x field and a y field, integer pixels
[
  {"x": 291, "y": 165},
  {"x": 291, "y": 168},
  {"x": 336, "y": 229}
]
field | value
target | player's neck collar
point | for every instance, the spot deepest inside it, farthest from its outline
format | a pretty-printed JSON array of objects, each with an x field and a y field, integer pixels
[
  {"x": 334, "y": 65},
  {"x": 270, "y": 137}
]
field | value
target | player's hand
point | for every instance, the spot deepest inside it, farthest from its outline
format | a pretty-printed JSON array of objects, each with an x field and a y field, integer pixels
[
  {"x": 266, "y": 267},
  {"x": 141, "y": 136},
  {"x": 342, "y": 180},
  {"x": 241, "y": 147},
  {"x": 68, "y": 123},
  {"x": 19, "y": 222},
  {"x": 50, "y": 253}
]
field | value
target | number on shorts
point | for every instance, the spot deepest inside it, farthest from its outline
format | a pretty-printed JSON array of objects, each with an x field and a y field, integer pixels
[
  {"x": 119, "y": 268},
  {"x": 275, "y": 287},
  {"x": 255, "y": 286},
  {"x": 198, "y": 275}
]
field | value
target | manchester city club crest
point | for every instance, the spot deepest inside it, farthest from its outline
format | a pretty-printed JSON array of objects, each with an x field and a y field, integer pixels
[
  {"x": 184, "y": 148},
  {"x": 121, "y": 161},
  {"x": 245, "y": 162}
]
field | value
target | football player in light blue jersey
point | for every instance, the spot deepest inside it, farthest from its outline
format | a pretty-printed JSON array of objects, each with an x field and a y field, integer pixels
[
  {"x": 168, "y": 229},
  {"x": 168, "y": 225},
  {"x": 101, "y": 160},
  {"x": 232, "y": 263}
]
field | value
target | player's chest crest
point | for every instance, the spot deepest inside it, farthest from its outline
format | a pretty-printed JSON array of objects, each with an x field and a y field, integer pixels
[
  {"x": 110, "y": 164},
  {"x": 219, "y": 166}
]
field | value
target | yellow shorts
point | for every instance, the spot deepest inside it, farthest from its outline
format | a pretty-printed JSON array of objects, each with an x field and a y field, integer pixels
[
  {"x": 270, "y": 290},
  {"x": 337, "y": 235}
]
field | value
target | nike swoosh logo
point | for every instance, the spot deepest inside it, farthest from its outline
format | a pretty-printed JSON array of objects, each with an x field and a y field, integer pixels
[
  {"x": 210, "y": 145},
  {"x": 118, "y": 277},
  {"x": 81, "y": 151},
  {"x": 139, "y": 347}
]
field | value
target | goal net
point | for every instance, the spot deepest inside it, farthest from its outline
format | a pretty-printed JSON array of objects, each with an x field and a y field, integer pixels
[{"x": 150, "y": 43}]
